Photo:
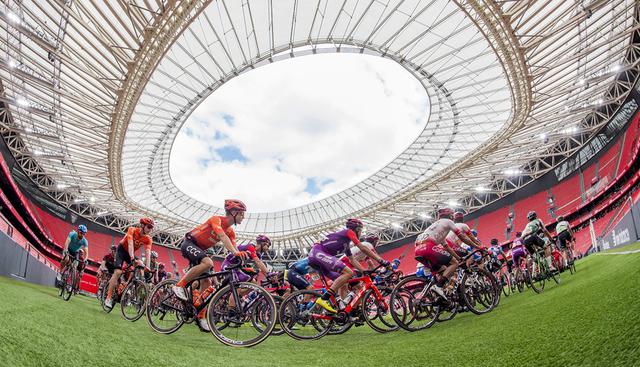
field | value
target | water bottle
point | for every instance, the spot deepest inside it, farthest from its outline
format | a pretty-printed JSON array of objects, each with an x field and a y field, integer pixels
[{"x": 348, "y": 298}]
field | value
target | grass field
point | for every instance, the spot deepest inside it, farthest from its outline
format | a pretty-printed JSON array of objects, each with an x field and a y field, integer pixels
[{"x": 591, "y": 319}]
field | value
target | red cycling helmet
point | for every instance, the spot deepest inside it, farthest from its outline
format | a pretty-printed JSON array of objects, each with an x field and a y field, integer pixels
[
  {"x": 233, "y": 204},
  {"x": 160, "y": 265},
  {"x": 263, "y": 238},
  {"x": 147, "y": 222},
  {"x": 445, "y": 213},
  {"x": 354, "y": 223},
  {"x": 458, "y": 217}
]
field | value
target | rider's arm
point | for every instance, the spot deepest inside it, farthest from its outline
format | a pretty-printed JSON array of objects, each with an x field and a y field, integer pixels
[
  {"x": 261, "y": 266},
  {"x": 129, "y": 239},
  {"x": 450, "y": 250},
  {"x": 546, "y": 233},
  {"x": 66, "y": 243},
  {"x": 356, "y": 264},
  {"x": 228, "y": 243},
  {"x": 86, "y": 253},
  {"x": 147, "y": 256},
  {"x": 352, "y": 236}
]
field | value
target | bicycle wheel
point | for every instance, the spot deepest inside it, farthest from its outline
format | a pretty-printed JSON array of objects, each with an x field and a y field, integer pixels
[
  {"x": 300, "y": 317},
  {"x": 377, "y": 312},
  {"x": 520, "y": 281},
  {"x": 506, "y": 287},
  {"x": 238, "y": 329},
  {"x": 164, "y": 309},
  {"x": 260, "y": 315},
  {"x": 67, "y": 283},
  {"x": 133, "y": 300},
  {"x": 571, "y": 263},
  {"x": 415, "y": 304},
  {"x": 479, "y": 291},
  {"x": 535, "y": 276}
]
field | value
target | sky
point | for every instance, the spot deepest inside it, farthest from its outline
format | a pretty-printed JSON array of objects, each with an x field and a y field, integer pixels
[{"x": 299, "y": 130}]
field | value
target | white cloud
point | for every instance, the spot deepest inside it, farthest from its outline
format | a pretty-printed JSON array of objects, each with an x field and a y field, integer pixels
[{"x": 336, "y": 118}]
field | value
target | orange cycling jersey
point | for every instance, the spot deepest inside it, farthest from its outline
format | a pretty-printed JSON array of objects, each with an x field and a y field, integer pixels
[
  {"x": 208, "y": 233},
  {"x": 139, "y": 240}
]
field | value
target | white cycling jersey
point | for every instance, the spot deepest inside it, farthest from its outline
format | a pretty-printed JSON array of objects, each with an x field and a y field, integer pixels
[
  {"x": 357, "y": 254},
  {"x": 438, "y": 231},
  {"x": 453, "y": 238}
]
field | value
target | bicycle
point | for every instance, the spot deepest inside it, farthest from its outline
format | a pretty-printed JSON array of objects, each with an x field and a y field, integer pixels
[
  {"x": 539, "y": 272},
  {"x": 302, "y": 319},
  {"x": 131, "y": 292},
  {"x": 70, "y": 278},
  {"x": 571, "y": 261},
  {"x": 474, "y": 287},
  {"x": 245, "y": 310},
  {"x": 103, "y": 284}
]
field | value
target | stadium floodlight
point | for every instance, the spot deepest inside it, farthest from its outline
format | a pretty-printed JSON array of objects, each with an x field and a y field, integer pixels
[
  {"x": 512, "y": 172},
  {"x": 481, "y": 189},
  {"x": 28, "y": 129},
  {"x": 600, "y": 101},
  {"x": 12, "y": 64},
  {"x": 79, "y": 200},
  {"x": 61, "y": 186},
  {"x": 38, "y": 152},
  {"x": 22, "y": 102},
  {"x": 101, "y": 213},
  {"x": 396, "y": 225},
  {"x": 452, "y": 202},
  {"x": 581, "y": 81},
  {"x": 570, "y": 130},
  {"x": 615, "y": 68},
  {"x": 92, "y": 199},
  {"x": 13, "y": 18}
]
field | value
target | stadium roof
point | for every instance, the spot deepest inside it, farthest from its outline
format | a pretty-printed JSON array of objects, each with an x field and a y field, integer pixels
[{"x": 94, "y": 94}]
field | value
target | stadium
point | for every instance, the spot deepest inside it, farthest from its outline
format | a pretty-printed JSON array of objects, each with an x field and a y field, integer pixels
[{"x": 319, "y": 182}]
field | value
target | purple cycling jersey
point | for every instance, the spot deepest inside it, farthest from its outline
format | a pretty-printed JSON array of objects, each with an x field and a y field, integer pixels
[{"x": 337, "y": 243}]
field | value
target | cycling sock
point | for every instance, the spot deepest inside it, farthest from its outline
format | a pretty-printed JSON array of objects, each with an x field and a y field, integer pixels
[{"x": 327, "y": 295}]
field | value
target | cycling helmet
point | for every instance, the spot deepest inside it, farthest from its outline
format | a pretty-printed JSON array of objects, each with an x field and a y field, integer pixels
[
  {"x": 494, "y": 242},
  {"x": 211, "y": 251},
  {"x": 147, "y": 222},
  {"x": 263, "y": 238},
  {"x": 518, "y": 234},
  {"x": 474, "y": 233},
  {"x": 560, "y": 218},
  {"x": 354, "y": 223},
  {"x": 532, "y": 215},
  {"x": 233, "y": 204},
  {"x": 445, "y": 213},
  {"x": 154, "y": 254},
  {"x": 113, "y": 247},
  {"x": 458, "y": 217},
  {"x": 82, "y": 229},
  {"x": 161, "y": 265},
  {"x": 372, "y": 238}
]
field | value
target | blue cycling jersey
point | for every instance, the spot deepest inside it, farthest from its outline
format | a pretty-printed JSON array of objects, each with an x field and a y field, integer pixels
[
  {"x": 76, "y": 243},
  {"x": 301, "y": 266}
]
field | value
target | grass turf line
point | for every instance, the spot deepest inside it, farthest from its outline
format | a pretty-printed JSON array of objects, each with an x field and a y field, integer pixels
[{"x": 590, "y": 319}]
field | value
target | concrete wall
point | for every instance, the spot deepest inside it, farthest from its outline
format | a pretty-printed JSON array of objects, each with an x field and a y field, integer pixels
[{"x": 17, "y": 263}]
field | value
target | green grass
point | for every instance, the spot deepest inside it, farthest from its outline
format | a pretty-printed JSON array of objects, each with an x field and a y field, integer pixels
[{"x": 591, "y": 319}]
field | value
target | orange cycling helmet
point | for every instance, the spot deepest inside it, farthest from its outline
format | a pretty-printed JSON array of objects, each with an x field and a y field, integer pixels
[
  {"x": 147, "y": 222},
  {"x": 233, "y": 204}
]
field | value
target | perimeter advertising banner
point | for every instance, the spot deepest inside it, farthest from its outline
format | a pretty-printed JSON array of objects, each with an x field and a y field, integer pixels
[{"x": 624, "y": 232}]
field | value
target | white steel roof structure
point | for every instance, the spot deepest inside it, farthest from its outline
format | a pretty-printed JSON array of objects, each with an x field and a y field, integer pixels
[{"x": 94, "y": 93}]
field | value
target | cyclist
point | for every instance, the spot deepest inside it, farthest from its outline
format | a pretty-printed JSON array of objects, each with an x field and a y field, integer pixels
[
  {"x": 432, "y": 250},
  {"x": 135, "y": 238},
  {"x": 496, "y": 252},
  {"x": 75, "y": 241},
  {"x": 161, "y": 274},
  {"x": 195, "y": 244},
  {"x": 533, "y": 241},
  {"x": 323, "y": 257},
  {"x": 255, "y": 253},
  {"x": 107, "y": 266},
  {"x": 370, "y": 241},
  {"x": 456, "y": 243},
  {"x": 565, "y": 238},
  {"x": 150, "y": 276}
]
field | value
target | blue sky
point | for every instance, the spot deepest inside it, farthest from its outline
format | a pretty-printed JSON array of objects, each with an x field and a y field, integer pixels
[{"x": 298, "y": 130}]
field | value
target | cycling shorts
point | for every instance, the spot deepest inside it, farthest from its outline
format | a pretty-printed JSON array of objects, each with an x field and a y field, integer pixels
[
  {"x": 297, "y": 280},
  {"x": 122, "y": 257},
  {"x": 192, "y": 252},
  {"x": 432, "y": 255},
  {"x": 533, "y": 243},
  {"x": 563, "y": 239},
  {"x": 326, "y": 264},
  {"x": 518, "y": 253}
]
